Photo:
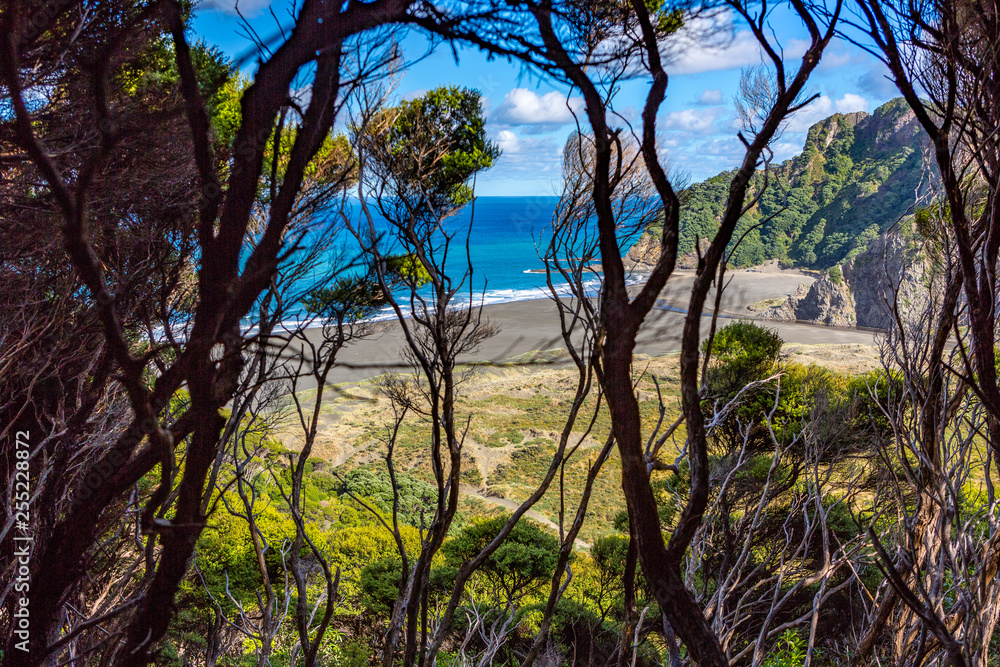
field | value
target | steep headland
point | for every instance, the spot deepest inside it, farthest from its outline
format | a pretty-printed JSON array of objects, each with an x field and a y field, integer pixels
[
  {"x": 832, "y": 208},
  {"x": 857, "y": 175}
]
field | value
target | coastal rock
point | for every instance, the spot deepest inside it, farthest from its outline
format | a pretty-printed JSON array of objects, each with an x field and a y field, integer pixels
[
  {"x": 892, "y": 265},
  {"x": 643, "y": 254},
  {"x": 779, "y": 309},
  {"x": 827, "y": 302},
  {"x": 688, "y": 261},
  {"x": 824, "y": 302}
]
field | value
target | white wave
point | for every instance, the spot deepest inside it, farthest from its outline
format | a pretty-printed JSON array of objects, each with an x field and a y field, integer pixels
[{"x": 487, "y": 298}]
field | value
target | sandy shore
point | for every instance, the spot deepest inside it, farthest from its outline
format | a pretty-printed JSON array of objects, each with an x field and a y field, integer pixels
[{"x": 526, "y": 326}]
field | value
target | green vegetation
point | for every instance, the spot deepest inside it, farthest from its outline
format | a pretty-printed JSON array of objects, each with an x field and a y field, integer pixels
[
  {"x": 790, "y": 651},
  {"x": 854, "y": 178},
  {"x": 409, "y": 151}
]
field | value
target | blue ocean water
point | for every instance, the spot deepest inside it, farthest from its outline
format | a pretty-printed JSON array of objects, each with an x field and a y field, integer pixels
[{"x": 507, "y": 234}]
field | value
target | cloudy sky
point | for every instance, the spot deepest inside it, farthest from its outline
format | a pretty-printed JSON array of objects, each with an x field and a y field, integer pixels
[{"x": 530, "y": 118}]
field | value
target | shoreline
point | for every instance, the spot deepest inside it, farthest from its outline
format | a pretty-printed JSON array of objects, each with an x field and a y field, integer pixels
[{"x": 532, "y": 325}]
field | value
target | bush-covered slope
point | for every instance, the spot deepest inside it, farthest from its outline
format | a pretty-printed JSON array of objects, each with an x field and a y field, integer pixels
[{"x": 856, "y": 176}]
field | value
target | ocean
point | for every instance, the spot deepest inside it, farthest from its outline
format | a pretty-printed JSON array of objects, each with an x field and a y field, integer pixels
[{"x": 506, "y": 236}]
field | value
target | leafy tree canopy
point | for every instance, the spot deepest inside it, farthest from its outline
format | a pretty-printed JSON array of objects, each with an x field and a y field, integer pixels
[
  {"x": 524, "y": 560},
  {"x": 429, "y": 148}
]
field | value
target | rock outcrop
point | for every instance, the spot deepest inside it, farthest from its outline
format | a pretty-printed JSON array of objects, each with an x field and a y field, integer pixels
[
  {"x": 892, "y": 269},
  {"x": 643, "y": 254},
  {"x": 892, "y": 272},
  {"x": 856, "y": 174},
  {"x": 827, "y": 302},
  {"x": 824, "y": 302}
]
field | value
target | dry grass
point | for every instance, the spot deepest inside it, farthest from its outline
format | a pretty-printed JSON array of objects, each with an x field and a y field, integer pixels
[{"x": 515, "y": 415}]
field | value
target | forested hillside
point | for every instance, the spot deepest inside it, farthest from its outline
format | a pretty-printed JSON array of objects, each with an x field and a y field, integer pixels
[{"x": 856, "y": 175}]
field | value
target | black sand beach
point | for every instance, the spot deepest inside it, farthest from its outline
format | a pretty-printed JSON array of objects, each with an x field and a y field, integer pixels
[{"x": 526, "y": 326}]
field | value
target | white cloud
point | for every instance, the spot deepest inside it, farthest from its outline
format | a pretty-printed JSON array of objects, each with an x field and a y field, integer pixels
[
  {"x": 247, "y": 7},
  {"x": 698, "y": 121},
  {"x": 712, "y": 43},
  {"x": 850, "y": 103},
  {"x": 527, "y": 156},
  {"x": 835, "y": 59},
  {"x": 728, "y": 147},
  {"x": 818, "y": 109},
  {"x": 698, "y": 159},
  {"x": 784, "y": 150},
  {"x": 824, "y": 107},
  {"x": 710, "y": 97},
  {"x": 524, "y": 107},
  {"x": 507, "y": 141}
]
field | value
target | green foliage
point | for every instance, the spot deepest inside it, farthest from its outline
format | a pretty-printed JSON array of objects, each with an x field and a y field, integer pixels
[
  {"x": 380, "y": 582},
  {"x": 519, "y": 565},
  {"x": 349, "y": 299},
  {"x": 228, "y": 114},
  {"x": 836, "y": 274},
  {"x": 433, "y": 145},
  {"x": 416, "y": 498},
  {"x": 801, "y": 389},
  {"x": 505, "y": 438},
  {"x": 825, "y": 205},
  {"x": 155, "y": 69},
  {"x": 925, "y": 223},
  {"x": 609, "y": 553},
  {"x": 790, "y": 651},
  {"x": 406, "y": 269},
  {"x": 226, "y": 556},
  {"x": 604, "y": 579},
  {"x": 872, "y": 393},
  {"x": 379, "y": 585},
  {"x": 352, "y": 546},
  {"x": 334, "y": 163},
  {"x": 358, "y": 297},
  {"x": 742, "y": 352}
]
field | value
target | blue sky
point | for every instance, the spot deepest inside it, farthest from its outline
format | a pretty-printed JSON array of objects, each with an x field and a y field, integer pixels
[{"x": 529, "y": 119}]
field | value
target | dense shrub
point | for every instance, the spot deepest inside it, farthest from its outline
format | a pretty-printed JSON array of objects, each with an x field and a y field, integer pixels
[
  {"x": 517, "y": 567},
  {"x": 742, "y": 352}
]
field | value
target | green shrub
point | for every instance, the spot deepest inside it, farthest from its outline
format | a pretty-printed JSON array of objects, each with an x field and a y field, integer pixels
[
  {"x": 415, "y": 496},
  {"x": 519, "y": 566},
  {"x": 743, "y": 352},
  {"x": 380, "y": 586},
  {"x": 510, "y": 436},
  {"x": 788, "y": 652},
  {"x": 872, "y": 393}
]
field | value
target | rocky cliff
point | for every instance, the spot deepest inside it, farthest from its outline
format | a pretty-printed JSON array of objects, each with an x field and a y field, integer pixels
[
  {"x": 856, "y": 174},
  {"x": 893, "y": 268},
  {"x": 643, "y": 254},
  {"x": 826, "y": 302}
]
